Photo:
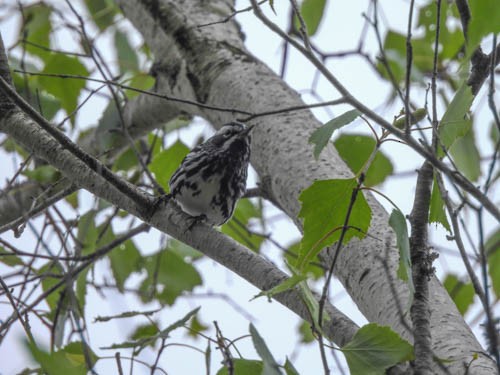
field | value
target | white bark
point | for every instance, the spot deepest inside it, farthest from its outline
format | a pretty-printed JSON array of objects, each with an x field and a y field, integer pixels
[{"x": 220, "y": 72}]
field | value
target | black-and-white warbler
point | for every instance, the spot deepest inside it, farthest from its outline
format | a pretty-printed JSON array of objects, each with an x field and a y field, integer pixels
[{"x": 212, "y": 176}]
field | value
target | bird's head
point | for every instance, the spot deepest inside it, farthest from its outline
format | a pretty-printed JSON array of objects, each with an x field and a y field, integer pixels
[{"x": 232, "y": 132}]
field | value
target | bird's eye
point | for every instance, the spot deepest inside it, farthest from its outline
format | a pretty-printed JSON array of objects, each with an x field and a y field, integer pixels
[{"x": 226, "y": 134}]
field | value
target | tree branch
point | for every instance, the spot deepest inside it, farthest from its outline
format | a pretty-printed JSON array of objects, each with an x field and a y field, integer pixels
[{"x": 422, "y": 271}]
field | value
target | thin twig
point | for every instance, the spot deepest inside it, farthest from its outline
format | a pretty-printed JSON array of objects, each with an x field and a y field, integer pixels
[
  {"x": 232, "y": 15},
  {"x": 226, "y": 353},
  {"x": 119, "y": 363},
  {"x": 38, "y": 209},
  {"x": 16, "y": 310},
  {"x": 491, "y": 329},
  {"x": 303, "y": 26},
  {"x": 409, "y": 62},
  {"x": 90, "y": 259},
  {"x": 457, "y": 237},
  {"x": 434, "y": 79},
  {"x": 146, "y": 92}
]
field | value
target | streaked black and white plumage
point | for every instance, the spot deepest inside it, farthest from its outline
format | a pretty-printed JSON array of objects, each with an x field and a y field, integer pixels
[{"x": 212, "y": 176}]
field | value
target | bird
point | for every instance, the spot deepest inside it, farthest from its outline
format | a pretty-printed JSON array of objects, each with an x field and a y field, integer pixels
[{"x": 212, "y": 177}]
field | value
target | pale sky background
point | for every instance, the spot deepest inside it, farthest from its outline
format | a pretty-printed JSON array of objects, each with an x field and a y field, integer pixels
[{"x": 339, "y": 31}]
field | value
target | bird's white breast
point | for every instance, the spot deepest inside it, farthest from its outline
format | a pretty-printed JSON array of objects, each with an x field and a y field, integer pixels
[{"x": 201, "y": 203}]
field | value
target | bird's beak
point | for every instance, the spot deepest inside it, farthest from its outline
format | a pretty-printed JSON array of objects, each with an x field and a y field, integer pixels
[{"x": 247, "y": 130}]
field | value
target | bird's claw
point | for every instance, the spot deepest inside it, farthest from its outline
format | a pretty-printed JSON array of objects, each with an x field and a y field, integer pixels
[{"x": 194, "y": 220}]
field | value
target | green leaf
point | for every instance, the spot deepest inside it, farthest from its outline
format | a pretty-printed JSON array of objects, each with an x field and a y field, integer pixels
[
  {"x": 287, "y": 284},
  {"x": 395, "y": 63},
  {"x": 289, "y": 368},
  {"x": 208, "y": 357},
  {"x": 69, "y": 360},
  {"x": 437, "y": 213},
  {"x": 31, "y": 90},
  {"x": 126, "y": 161},
  {"x": 130, "y": 344},
  {"x": 43, "y": 174},
  {"x": 271, "y": 4},
  {"x": 9, "y": 145},
  {"x": 321, "y": 136},
  {"x": 179, "y": 323},
  {"x": 397, "y": 222},
  {"x": 461, "y": 293},
  {"x": 58, "y": 300},
  {"x": 356, "y": 149},
  {"x": 456, "y": 122},
  {"x": 492, "y": 249},
  {"x": 416, "y": 116},
  {"x": 270, "y": 365},
  {"x": 102, "y": 12},
  {"x": 141, "y": 81},
  {"x": 312, "y": 12},
  {"x": 126, "y": 314},
  {"x": 168, "y": 275},
  {"x": 108, "y": 131},
  {"x": 145, "y": 331},
  {"x": 127, "y": 57},
  {"x": 72, "y": 199},
  {"x": 244, "y": 367},
  {"x": 244, "y": 212},
  {"x": 395, "y": 53},
  {"x": 324, "y": 209},
  {"x": 196, "y": 327},
  {"x": 485, "y": 19},
  {"x": 166, "y": 162},
  {"x": 374, "y": 349},
  {"x": 186, "y": 252},
  {"x": 494, "y": 133},
  {"x": 87, "y": 233},
  {"x": 313, "y": 271},
  {"x": 81, "y": 288},
  {"x": 146, "y": 340},
  {"x": 466, "y": 155},
  {"x": 9, "y": 259},
  {"x": 66, "y": 90},
  {"x": 451, "y": 37},
  {"x": 312, "y": 306},
  {"x": 74, "y": 351},
  {"x": 37, "y": 28},
  {"x": 305, "y": 332},
  {"x": 49, "y": 281},
  {"x": 125, "y": 258}
]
